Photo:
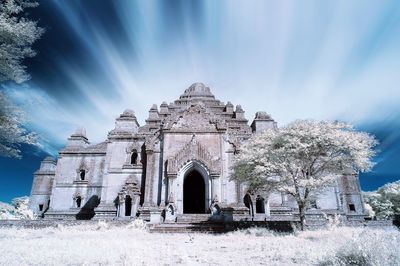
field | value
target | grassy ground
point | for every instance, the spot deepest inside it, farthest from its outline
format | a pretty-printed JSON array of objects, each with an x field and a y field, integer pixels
[{"x": 102, "y": 244}]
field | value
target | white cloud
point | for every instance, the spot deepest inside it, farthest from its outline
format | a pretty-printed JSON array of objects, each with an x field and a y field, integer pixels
[{"x": 322, "y": 60}]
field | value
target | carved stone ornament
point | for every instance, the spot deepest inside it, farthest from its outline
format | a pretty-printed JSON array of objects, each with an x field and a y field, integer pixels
[
  {"x": 130, "y": 188},
  {"x": 196, "y": 118},
  {"x": 193, "y": 151}
]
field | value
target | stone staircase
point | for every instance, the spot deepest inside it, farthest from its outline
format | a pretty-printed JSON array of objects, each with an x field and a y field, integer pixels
[
  {"x": 207, "y": 227},
  {"x": 186, "y": 223},
  {"x": 192, "y": 218},
  {"x": 281, "y": 211},
  {"x": 207, "y": 223}
]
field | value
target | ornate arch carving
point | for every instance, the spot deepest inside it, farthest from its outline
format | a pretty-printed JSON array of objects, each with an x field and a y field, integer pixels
[
  {"x": 130, "y": 188},
  {"x": 193, "y": 151}
]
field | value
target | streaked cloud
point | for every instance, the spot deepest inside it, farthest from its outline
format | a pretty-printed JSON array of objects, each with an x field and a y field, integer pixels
[{"x": 308, "y": 59}]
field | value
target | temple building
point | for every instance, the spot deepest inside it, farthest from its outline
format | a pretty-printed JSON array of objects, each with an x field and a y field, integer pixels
[{"x": 176, "y": 165}]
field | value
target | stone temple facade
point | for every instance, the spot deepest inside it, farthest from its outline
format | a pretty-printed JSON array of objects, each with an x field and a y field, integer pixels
[{"x": 177, "y": 164}]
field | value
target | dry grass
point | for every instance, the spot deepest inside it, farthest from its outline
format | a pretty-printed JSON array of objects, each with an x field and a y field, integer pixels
[{"x": 130, "y": 245}]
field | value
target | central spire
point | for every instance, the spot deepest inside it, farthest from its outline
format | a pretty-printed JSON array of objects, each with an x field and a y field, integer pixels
[{"x": 197, "y": 90}]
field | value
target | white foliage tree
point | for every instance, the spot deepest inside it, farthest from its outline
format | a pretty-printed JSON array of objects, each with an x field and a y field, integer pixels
[
  {"x": 17, "y": 210},
  {"x": 17, "y": 34},
  {"x": 303, "y": 158},
  {"x": 369, "y": 210},
  {"x": 385, "y": 201},
  {"x": 13, "y": 133},
  {"x": 391, "y": 192}
]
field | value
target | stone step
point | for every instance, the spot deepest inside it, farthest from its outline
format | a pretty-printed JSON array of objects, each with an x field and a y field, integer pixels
[
  {"x": 192, "y": 218},
  {"x": 281, "y": 211},
  {"x": 187, "y": 228}
]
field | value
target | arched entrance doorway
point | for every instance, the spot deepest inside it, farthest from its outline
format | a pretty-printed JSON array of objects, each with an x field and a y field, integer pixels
[
  {"x": 260, "y": 204},
  {"x": 194, "y": 193},
  {"x": 128, "y": 205}
]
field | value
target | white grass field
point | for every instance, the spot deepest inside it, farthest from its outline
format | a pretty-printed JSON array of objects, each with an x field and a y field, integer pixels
[{"x": 102, "y": 244}]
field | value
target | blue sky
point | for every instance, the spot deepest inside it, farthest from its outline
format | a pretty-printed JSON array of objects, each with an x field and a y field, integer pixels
[{"x": 293, "y": 59}]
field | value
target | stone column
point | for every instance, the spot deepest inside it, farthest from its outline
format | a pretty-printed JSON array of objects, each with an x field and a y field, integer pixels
[
  {"x": 253, "y": 205},
  {"x": 121, "y": 209},
  {"x": 337, "y": 196},
  {"x": 240, "y": 194},
  {"x": 237, "y": 185},
  {"x": 266, "y": 206},
  {"x": 148, "y": 192},
  {"x": 214, "y": 180},
  {"x": 135, "y": 204},
  {"x": 169, "y": 190},
  {"x": 222, "y": 189},
  {"x": 118, "y": 210},
  {"x": 164, "y": 191},
  {"x": 148, "y": 203},
  {"x": 157, "y": 183}
]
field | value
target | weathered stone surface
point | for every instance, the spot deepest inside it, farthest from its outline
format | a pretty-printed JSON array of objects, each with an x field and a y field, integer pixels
[{"x": 145, "y": 170}]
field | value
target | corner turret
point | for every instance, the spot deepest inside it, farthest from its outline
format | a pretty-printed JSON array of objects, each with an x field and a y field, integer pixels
[
  {"x": 125, "y": 124},
  {"x": 239, "y": 113},
  {"x": 154, "y": 118},
  {"x": 262, "y": 122},
  {"x": 43, "y": 180},
  {"x": 351, "y": 199},
  {"x": 78, "y": 139}
]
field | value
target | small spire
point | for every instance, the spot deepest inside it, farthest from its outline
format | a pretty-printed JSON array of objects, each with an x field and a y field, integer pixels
[{"x": 80, "y": 131}]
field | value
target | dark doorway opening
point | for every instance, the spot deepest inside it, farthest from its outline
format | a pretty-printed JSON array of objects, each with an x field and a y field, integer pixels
[
  {"x": 78, "y": 202},
  {"x": 128, "y": 205},
  {"x": 82, "y": 174},
  {"x": 134, "y": 157},
  {"x": 260, "y": 206},
  {"x": 194, "y": 193}
]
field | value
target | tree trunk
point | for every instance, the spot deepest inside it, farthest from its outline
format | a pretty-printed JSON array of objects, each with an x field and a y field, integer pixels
[{"x": 302, "y": 216}]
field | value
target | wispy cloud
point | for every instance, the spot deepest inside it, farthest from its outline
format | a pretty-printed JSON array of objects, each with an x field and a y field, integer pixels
[{"x": 323, "y": 60}]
